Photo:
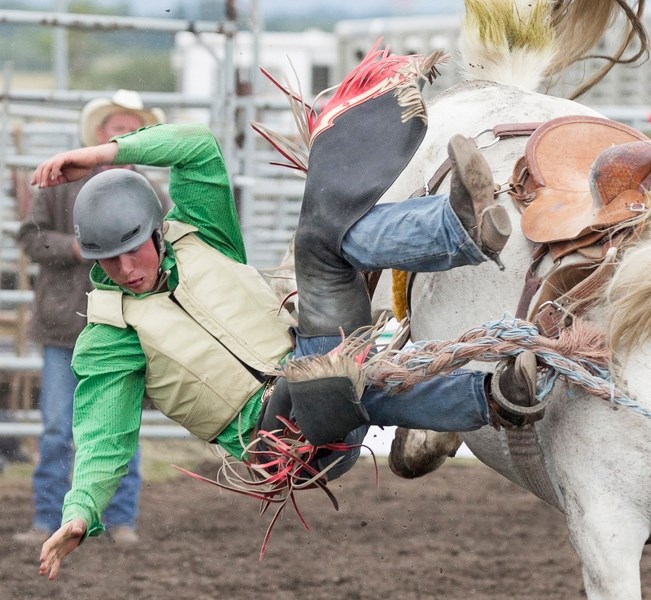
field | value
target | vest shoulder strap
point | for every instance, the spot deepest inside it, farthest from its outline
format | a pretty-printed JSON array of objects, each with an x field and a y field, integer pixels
[
  {"x": 105, "y": 307},
  {"x": 175, "y": 230}
]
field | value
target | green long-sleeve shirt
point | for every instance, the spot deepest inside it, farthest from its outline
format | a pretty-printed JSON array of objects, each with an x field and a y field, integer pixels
[{"x": 108, "y": 361}]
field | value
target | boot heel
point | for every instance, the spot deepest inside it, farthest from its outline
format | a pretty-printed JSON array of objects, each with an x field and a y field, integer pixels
[{"x": 494, "y": 230}]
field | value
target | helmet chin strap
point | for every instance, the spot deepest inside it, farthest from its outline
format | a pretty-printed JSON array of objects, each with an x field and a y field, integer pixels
[{"x": 159, "y": 243}]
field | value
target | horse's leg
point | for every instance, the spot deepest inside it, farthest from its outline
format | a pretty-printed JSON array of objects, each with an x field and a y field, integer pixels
[
  {"x": 609, "y": 537},
  {"x": 416, "y": 452},
  {"x": 600, "y": 457}
]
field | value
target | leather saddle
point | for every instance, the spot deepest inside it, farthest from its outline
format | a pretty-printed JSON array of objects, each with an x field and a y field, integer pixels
[
  {"x": 581, "y": 175},
  {"x": 580, "y": 180}
]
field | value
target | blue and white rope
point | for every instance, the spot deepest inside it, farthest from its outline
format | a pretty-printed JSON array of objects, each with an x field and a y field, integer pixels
[{"x": 487, "y": 344}]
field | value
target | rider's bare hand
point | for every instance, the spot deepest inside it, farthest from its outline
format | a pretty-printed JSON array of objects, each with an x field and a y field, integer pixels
[
  {"x": 59, "y": 545},
  {"x": 73, "y": 165}
]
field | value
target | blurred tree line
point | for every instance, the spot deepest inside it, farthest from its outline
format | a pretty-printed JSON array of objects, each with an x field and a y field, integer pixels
[{"x": 98, "y": 59}]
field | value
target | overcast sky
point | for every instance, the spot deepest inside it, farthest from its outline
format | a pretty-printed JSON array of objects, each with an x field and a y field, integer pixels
[
  {"x": 361, "y": 7},
  {"x": 347, "y": 8}
]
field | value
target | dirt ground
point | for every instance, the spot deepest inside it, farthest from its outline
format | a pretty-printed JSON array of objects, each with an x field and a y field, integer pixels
[{"x": 460, "y": 533}]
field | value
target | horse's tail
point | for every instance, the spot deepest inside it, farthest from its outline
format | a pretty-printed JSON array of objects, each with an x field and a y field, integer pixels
[
  {"x": 523, "y": 42},
  {"x": 627, "y": 298}
]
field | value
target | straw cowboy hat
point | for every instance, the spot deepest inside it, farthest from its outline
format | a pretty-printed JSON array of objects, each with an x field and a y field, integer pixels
[{"x": 94, "y": 113}]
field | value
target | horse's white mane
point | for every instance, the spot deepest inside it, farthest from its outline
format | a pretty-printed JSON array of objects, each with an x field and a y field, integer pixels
[
  {"x": 507, "y": 42},
  {"x": 524, "y": 42}
]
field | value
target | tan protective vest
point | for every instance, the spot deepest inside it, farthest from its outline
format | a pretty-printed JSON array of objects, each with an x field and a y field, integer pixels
[{"x": 206, "y": 343}]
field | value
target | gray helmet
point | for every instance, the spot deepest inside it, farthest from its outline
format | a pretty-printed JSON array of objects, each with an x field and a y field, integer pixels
[{"x": 115, "y": 212}]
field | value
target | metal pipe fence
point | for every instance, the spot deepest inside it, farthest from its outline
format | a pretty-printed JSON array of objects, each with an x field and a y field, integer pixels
[
  {"x": 27, "y": 423},
  {"x": 269, "y": 198}
]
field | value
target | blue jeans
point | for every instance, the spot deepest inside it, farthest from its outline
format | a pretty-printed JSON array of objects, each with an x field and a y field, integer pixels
[
  {"x": 51, "y": 479},
  {"x": 419, "y": 235},
  {"x": 454, "y": 402}
]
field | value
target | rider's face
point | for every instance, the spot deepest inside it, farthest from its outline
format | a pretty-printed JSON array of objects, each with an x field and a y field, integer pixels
[{"x": 137, "y": 270}]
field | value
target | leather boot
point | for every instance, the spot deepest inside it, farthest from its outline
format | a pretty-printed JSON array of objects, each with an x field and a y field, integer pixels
[
  {"x": 471, "y": 198},
  {"x": 326, "y": 396},
  {"x": 512, "y": 393}
]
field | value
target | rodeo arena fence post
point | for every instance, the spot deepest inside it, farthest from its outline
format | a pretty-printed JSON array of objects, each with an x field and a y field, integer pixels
[{"x": 224, "y": 58}]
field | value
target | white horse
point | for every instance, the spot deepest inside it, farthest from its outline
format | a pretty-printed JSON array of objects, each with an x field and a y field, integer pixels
[{"x": 587, "y": 458}]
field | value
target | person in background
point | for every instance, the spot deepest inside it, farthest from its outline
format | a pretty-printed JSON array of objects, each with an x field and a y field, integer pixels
[{"x": 59, "y": 315}]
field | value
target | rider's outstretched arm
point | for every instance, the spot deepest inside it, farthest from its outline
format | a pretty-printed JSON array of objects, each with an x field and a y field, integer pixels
[{"x": 73, "y": 164}]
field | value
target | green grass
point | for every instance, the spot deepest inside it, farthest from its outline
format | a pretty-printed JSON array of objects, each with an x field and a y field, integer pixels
[{"x": 158, "y": 456}]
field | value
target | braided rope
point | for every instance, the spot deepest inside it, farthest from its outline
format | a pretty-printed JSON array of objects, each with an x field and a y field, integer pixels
[{"x": 579, "y": 355}]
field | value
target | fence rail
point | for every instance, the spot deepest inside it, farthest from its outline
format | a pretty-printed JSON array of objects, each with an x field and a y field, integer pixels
[{"x": 154, "y": 425}]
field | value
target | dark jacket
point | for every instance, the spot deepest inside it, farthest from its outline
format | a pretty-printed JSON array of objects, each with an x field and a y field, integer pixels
[{"x": 46, "y": 236}]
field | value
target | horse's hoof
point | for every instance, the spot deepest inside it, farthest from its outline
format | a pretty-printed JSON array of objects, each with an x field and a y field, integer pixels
[{"x": 417, "y": 452}]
